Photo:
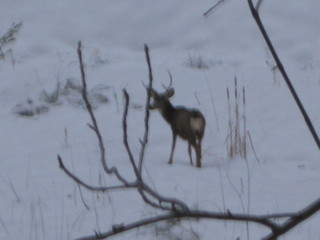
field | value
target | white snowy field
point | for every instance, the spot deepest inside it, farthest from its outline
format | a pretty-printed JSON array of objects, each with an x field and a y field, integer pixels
[{"x": 38, "y": 200}]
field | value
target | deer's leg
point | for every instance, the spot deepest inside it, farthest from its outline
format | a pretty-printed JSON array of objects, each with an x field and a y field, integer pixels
[
  {"x": 174, "y": 138},
  {"x": 197, "y": 148},
  {"x": 190, "y": 153}
]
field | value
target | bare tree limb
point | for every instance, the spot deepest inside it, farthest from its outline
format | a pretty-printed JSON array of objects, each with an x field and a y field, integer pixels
[
  {"x": 256, "y": 17},
  {"x": 89, "y": 187},
  {"x": 193, "y": 214},
  {"x": 295, "y": 220},
  {"x": 152, "y": 203},
  {"x": 263, "y": 220},
  {"x": 147, "y": 113},
  {"x": 175, "y": 204},
  {"x": 125, "y": 135},
  {"x": 315, "y": 206},
  {"x": 94, "y": 125}
]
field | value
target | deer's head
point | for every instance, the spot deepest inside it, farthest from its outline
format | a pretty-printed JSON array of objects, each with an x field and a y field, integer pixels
[{"x": 160, "y": 100}]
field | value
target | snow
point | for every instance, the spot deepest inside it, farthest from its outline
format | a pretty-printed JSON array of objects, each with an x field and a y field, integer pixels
[{"x": 38, "y": 201}]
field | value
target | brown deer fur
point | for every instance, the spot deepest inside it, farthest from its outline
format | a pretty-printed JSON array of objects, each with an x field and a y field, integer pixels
[{"x": 189, "y": 124}]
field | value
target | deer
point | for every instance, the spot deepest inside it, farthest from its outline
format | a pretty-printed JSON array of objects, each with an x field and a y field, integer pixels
[{"x": 188, "y": 124}]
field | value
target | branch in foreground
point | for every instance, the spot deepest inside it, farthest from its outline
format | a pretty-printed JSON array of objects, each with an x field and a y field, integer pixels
[
  {"x": 125, "y": 135},
  {"x": 264, "y": 220},
  {"x": 89, "y": 187},
  {"x": 147, "y": 113},
  {"x": 145, "y": 191},
  {"x": 193, "y": 214},
  {"x": 94, "y": 125},
  {"x": 256, "y": 17},
  {"x": 314, "y": 207},
  {"x": 293, "y": 221}
]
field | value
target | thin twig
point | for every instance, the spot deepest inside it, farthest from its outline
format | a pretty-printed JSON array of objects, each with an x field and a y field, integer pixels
[
  {"x": 147, "y": 113},
  {"x": 148, "y": 201},
  {"x": 125, "y": 135},
  {"x": 89, "y": 187},
  {"x": 14, "y": 191},
  {"x": 94, "y": 125},
  {"x": 82, "y": 199},
  {"x": 176, "y": 204},
  {"x": 213, "y": 7},
  {"x": 258, "y": 5},
  {"x": 253, "y": 149}
]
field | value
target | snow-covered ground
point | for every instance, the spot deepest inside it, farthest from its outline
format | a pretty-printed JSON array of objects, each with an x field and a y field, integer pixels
[{"x": 38, "y": 201}]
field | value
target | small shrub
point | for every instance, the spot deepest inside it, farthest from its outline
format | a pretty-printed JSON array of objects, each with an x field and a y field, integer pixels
[
  {"x": 52, "y": 97},
  {"x": 197, "y": 62},
  {"x": 29, "y": 109},
  {"x": 70, "y": 93}
]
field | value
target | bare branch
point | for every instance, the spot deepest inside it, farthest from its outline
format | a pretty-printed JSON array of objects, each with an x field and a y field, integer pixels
[
  {"x": 213, "y": 7},
  {"x": 315, "y": 206},
  {"x": 144, "y": 142},
  {"x": 256, "y": 17},
  {"x": 183, "y": 215},
  {"x": 148, "y": 201},
  {"x": 89, "y": 187},
  {"x": 295, "y": 220},
  {"x": 175, "y": 204},
  {"x": 125, "y": 135},
  {"x": 228, "y": 216},
  {"x": 94, "y": 125},
  {"x": 258, "y": 4}
]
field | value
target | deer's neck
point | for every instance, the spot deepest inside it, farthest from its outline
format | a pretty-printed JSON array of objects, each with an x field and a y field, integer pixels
[{"x": 168, "y": 111}]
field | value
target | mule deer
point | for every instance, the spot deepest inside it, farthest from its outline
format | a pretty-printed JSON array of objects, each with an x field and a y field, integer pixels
[{"x": 189, "y": 124}]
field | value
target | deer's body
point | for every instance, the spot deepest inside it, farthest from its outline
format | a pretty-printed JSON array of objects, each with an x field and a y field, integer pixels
[{"x": 189, "y": 124}]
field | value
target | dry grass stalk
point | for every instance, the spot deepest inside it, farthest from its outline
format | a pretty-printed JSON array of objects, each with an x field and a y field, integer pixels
[{"x": 237, "y": 127}]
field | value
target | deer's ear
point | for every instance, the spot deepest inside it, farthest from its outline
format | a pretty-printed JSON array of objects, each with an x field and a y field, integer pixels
[{"x": 169, "y": 93}]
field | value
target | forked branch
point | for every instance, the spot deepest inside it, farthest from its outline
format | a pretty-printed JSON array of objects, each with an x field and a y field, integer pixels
[{"x": 94, "y": 125}]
